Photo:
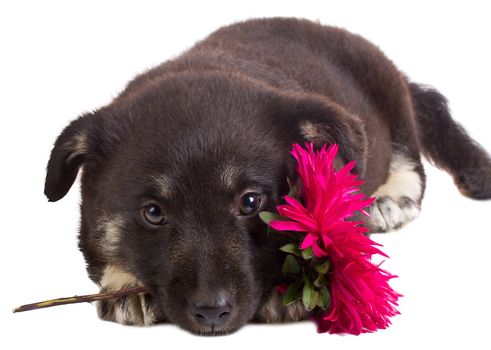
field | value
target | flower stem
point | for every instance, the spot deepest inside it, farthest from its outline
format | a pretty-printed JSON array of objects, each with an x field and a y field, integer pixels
[{"x": 81, "y": 299}]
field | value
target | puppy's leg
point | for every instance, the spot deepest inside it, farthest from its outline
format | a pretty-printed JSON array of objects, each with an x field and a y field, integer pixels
[
  {"x": 399, "y": 198},
  {"x": 133, "y": 310}
]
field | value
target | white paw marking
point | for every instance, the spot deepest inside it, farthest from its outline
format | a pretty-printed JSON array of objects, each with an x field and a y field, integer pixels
[
  {"x": 389, "y": 215},
  {"x": 398, "y": 199},
  {"x": 403, "y": 181}
]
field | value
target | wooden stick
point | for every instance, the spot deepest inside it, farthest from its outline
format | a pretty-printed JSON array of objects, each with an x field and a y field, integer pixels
[{"x": 81, "y": 299}]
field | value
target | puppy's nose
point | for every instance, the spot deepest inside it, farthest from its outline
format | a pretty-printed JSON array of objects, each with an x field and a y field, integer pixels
[{"x": 211, "y": 315}]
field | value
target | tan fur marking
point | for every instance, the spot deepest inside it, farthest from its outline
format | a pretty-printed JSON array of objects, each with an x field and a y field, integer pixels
[
  {"x": 228, "y": 175},
  {"x": 115, "y": 278},
  {"x": 110, "y": 233},
  {"x": 149, "y": 313},
  {"x": 309, "y": 131},
  {"x": 164, "y": 184},
  {"x": 296, "y": 312},
  {"x": 273, "y": 311},
  {"x": 129, "y": 312},
  {"x": 77, "y": 146}
]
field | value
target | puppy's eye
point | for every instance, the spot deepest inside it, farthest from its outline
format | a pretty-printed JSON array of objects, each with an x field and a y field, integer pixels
[
  {"x": 250, "y": 203},
  {"x": 153, "y": 214}
]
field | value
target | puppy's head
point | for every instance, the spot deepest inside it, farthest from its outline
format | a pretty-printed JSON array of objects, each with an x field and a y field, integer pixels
[{"x": 173, "y": 180}]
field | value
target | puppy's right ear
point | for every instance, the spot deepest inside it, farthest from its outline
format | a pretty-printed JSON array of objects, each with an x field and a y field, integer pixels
[{"x": 70, "y": 152}]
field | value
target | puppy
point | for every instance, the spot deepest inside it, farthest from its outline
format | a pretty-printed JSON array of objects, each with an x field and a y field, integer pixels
[{"x": 178, "y": 166}]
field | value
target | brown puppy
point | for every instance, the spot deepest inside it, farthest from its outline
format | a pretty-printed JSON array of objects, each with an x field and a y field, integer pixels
[{"x": 176, "y": 169}]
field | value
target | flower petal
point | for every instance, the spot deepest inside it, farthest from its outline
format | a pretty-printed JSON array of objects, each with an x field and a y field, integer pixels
[
  {"x": 308, "y": 241},
  {"x": 280, "y": 225}
]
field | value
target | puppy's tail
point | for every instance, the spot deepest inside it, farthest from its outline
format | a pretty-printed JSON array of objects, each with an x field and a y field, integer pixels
[{"x": 449, "y": 146}]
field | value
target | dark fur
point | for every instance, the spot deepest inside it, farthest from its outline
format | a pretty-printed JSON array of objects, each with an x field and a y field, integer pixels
[
  {"x": 240, "y": 98},
  {"x": 447, "y": 144}
]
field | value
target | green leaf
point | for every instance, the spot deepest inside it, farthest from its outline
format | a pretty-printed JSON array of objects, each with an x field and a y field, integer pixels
[
  {"x": 323, "y": 267},
  {"x": 324, "y": 300},
  {"x": 293, "y": 292},
  {"x": 267, "y": 216},
  {"x": 293, "y": 188},
  {"x": 291, "y": 248},
  {"x": 307, "y": 253},
  {"x": 293, "y": 192},
  {"x": 309, "y": 297},
  {"x": 290, "y": 266}
]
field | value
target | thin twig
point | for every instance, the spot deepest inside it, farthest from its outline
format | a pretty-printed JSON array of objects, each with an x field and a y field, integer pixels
[{"x": 81, "y": 299}]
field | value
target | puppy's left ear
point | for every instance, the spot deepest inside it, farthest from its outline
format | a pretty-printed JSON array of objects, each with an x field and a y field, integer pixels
[{"x": 69, "y": 153}]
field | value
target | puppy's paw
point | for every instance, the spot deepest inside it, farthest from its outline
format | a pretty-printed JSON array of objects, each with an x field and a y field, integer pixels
[
  {"x": 398, "y": 199},
  {"x": 475, "y": 182},
  {"x": 388, "y": 213},
  {"x": 273, "y": 311},
  {"x": 136, "y": 310}
]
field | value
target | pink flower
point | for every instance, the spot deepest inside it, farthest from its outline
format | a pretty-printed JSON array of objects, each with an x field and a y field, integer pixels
[{"x": 361, "y": 298}]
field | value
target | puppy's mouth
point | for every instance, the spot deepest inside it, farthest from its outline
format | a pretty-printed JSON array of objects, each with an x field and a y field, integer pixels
[{"x": 212, "y": 331}]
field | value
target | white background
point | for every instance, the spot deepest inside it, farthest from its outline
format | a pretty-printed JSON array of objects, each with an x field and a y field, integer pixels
[{"x": 58, "y": 60}]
